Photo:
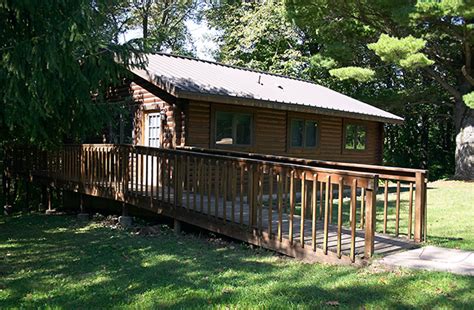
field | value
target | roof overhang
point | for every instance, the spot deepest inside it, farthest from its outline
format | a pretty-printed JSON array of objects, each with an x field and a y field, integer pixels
[{"x": 176, "y": 92}]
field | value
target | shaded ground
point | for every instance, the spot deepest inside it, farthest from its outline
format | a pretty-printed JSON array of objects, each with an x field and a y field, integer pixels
[{"x": 56, "y": 261}]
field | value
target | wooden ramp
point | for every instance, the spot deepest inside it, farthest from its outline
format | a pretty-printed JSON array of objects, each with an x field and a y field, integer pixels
[
  {"x": 239, "y": 215},
  {"x": 300, "y": 209}
]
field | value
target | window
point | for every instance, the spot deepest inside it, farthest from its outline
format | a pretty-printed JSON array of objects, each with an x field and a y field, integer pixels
[
  {"x": 153, "y": 130},
  {"x": 304, "y": 133},
  {"x": 233, "y": 128},
  {"x": 355, "y": 137}
]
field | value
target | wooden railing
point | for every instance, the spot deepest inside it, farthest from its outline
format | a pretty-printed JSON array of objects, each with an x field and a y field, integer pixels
[
  {"x": 282, "y": 201},
  {"x": 389, "y": 214}
]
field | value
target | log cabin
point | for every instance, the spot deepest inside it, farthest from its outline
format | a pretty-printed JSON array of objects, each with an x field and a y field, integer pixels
[{"x": 183, "y": 101}]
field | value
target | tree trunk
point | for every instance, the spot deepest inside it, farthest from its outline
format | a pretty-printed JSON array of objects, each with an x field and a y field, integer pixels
[{"x": 464, "y": 156}]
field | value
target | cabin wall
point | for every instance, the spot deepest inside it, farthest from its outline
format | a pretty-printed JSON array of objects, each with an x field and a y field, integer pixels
[
  {"x": 190, "y": 123},
  {"x": 271, "y": 134},
  {"x": 148, "y": 99}
]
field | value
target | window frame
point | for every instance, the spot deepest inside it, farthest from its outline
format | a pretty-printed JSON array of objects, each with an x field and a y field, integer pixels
[
  {"x": 344, "y": 136},
  {"x": 304, "y": 147},
  {"x": 234, "y": 111}
]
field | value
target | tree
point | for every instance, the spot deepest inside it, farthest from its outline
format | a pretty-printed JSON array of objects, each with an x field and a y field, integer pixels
[
  {"x": 58, "y": 60},
  {"x": 258, "y": 36},
  {"x": 426, "y": 40},
  {"x": 162, "y": 24}
]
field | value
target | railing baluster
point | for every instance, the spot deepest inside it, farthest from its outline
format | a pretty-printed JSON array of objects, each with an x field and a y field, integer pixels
[
  {"x": 234, "y": 194},
  {"x": 362, "y": 207},
  {"x": 225, "y": 169},
  {"x": 260, "y": 197},
  {"x": 340, "y": 202},
  {"x": 209, "y": 187},
  {"x": 270, "y": 202},
  {"x": 353, "y": 217},
  {"x": 168, "y": 177},
  {"x": 292, "y": 205},
  {"x": 188, "y": 182},
  {"x": 216, "y": 199},
  {"x": 146, "y": 170},
  {"x": 330, "y": 202},
  {"x": 397, "y": 210},
  {"x": 326, "y": 216},
  {"x": 163, "y": 172},
  {"x": 303, "y": 207},
  {"x": 152, "y": 175},
  {"x": 241, "y": 195},
  {"x": 410, "y": 210},
  {"x": 250, "y": 194},
  {"x": 385, "y": 207},
  {"x": 280, "y": 204},
  {"x": 314, "y": 203},
  {"x": 194, "y": 186},
  {"x": 321, "y": 199},
  {"x": 201, "y": 184}
]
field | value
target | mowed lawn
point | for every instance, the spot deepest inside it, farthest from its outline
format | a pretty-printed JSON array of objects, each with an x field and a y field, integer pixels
[
  {"x": 450, "y": 213},
  {"x": 55, "y": 261}
]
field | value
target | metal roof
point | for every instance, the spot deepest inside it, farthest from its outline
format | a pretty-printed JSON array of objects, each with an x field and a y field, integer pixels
[{"x": 191, "y": 78}]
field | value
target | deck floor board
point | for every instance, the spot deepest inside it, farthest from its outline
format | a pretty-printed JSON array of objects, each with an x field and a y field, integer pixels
[{"x": 383, "y": 244}]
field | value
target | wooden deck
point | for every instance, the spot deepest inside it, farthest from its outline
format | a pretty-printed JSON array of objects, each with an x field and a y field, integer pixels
[
  {"x": 322, "y": 214},
  {"x": 384, "y": 244}
]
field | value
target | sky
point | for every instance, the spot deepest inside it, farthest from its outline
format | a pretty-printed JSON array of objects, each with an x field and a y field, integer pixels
[{"x": 201, "y": 34}]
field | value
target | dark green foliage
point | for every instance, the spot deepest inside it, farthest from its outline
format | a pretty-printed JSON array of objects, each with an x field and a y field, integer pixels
[{"x": 57, "y": 62}]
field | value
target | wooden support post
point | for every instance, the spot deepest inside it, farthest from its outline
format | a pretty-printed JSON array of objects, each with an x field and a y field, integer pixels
[
  {"x": 48, "y": 198},
  {"x": 177, "y": 226},
  {"x": 28, "y": 190},
  {"x": 81, "y": 204},
  {"x": 370, "y": 217},
  {"x": 419, "y": 206}
]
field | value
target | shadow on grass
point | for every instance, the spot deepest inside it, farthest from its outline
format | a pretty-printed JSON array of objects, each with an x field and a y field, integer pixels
[{"x": 54, "y": 261}]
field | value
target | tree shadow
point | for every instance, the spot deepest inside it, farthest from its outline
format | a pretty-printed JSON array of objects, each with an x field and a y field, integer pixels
[{"x": 55, "y": 261}]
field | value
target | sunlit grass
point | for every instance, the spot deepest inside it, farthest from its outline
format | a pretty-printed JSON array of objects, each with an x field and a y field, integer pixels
[{"x": 54, "y": 261}]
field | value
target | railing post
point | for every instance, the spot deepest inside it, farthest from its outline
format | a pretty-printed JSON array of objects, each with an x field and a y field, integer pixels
[
  {"x": 253, "y": 195},
  {"x": 370, "y": 218},
  {"x": 125, "y": 167},
  {"x": 420, "y": 205}
]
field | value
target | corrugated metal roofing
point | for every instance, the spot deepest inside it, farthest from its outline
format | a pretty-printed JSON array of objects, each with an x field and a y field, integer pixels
[{"x": 190, "y": 78}]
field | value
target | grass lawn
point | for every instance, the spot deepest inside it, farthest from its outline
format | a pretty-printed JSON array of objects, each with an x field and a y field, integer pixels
[
  {"x": 450, "y": 213},
  {"x": 54, "y": 261}
]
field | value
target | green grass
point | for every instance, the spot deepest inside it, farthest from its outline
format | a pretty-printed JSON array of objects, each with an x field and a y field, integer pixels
[
  {"x": 450, "y": 213},
  {"x": 54, "y": 261}
]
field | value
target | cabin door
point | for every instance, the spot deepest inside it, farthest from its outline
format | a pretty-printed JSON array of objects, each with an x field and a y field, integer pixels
[
  {"x": 152, "y": 139},
  {"x": 152, "y": 130}
]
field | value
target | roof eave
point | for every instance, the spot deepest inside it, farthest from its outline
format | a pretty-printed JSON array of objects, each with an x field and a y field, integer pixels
[{"x": 281, "y": 106}]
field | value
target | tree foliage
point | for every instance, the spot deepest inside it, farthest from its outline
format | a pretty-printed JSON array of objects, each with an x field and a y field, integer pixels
[
  {"x": 356, "y": 73},
  {"x": 162, "y": 23},
  {"x": 407, "y": 57},
  {"x": 404, "y": 52},
  {"x": 58, "y": 59}
]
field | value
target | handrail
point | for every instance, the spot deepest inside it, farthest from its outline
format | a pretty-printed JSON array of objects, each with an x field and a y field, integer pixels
[
  {"x": 416, "y": 179},
  {"x": 405, "y": 174},
  {"x": 209, "y": 181}
]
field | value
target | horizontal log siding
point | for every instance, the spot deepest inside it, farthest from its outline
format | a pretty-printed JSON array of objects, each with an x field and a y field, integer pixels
[
  {"x": 198, "y": 131},
  {"x": 172, "y": 128},
  {"x": 271, "y": 135}
]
